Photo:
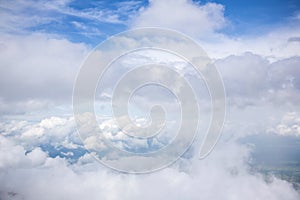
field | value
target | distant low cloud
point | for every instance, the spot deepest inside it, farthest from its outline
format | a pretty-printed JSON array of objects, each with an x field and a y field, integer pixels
[
  {"x": 289, "y": 125},
  {"x": 294, "y": 39},
  {"x": 251, "y": 79}
]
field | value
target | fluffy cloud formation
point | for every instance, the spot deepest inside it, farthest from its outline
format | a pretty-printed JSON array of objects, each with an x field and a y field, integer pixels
[
  {"x": 38, "y": 66},
  {"x": 27, "y": 163},
  {"x": 289, "y": 125},
  {"x": 251, "y": 79},
  {"x": 204, "y": 22},
  {"x": 182, "y": 15},
  {"x": 53, "y": 131},
  {"x": 37, "y": 70},
  {"x": 225, "y": 171}
]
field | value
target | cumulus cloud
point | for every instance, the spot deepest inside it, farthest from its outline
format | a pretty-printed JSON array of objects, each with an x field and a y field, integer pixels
[
  {"x": 53, "y": 131},
  {"x": 289, "y": 125},
  {"x": 38, "y": 66},
  {"x": 205, "y": 22},
  {"x": 250, "y": 79},
  {"x": 191, "y": 18},
  {"x": 57, "y": 176},
  {"x": 36, "y": 71},
  {"x": 224, "y": 174}
]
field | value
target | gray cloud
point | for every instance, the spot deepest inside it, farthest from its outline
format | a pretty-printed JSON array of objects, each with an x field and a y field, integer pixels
[
  {"x": 294, "y": 39},
  {"x": 252, "y": 80},
  {"x": 38, "y": 68}
]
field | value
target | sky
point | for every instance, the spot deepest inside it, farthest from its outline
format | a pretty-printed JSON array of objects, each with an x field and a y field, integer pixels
[{"x": 254, "y": 46}]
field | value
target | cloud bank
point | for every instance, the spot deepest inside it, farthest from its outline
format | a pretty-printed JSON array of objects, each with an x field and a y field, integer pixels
[{"x": 34, "y": 174}]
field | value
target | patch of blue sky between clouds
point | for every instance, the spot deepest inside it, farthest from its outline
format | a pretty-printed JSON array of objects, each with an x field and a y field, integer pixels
[{"x": 252, "y": 17}]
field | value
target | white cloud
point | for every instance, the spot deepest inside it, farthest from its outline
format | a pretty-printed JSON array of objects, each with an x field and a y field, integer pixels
[
  {"x": 182, "y": 15},
  {"x": 53, "y": 122},
  {"x": 12, "y": 155},
  {"x": 37, "y": 70},
  {"x": 289, "y": 125},
  {"x": 251, "y": 79},
  {"x": 34, "y": 132},
  {"x": 55, "y": 131},
  {"x": 204, "y": 22},
  {"x": 224, "y": 174},
  {"x": 37, "y": 156},
  {"x": 274, "y": 44}
]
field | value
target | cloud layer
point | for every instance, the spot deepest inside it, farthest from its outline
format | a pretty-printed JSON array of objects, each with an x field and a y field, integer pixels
[
  {"x": 41, "y": 155},
  {"x": 224, "y": 174}
]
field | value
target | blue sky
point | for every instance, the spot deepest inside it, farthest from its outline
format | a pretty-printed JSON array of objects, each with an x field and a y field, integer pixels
[
  {"x": 250, "y": 16},
  {"x": 246, "y": 17},
  {"x": 93, "y": 21}
]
